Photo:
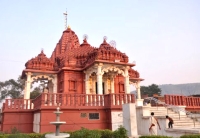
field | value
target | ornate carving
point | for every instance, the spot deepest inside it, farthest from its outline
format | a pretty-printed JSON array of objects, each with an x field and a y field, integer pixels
[
  {"x": 41, "y": 62},
  {"x": 114, "y": 69},
  {"x": 133, "y": 74},
  {"x": 42, "y": 77},
  {"x": 69, "y": 53}
]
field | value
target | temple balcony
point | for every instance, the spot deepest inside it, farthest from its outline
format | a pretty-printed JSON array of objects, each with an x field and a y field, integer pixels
[{"x": 69, "y": 101}]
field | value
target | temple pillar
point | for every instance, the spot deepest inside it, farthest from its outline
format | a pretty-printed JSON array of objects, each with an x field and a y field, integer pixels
[
  {"x": 93, "y": 85},
  {"x": 50, "y": 86},
  {"x": 139, "y": 101},
  {"x": 25, "y": 90},
  {"x": 112, "y": 84},
  {"x": 106, "y": 85},
  {"x": 87, "y": 83},
  {"x": 126, "y": 80},
  {"x": 99, "y": 79},
  {"x": 27, "y": 86},
  {"x": 54, "y": 84}
]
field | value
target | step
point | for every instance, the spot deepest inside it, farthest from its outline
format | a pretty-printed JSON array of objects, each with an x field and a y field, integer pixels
[{"x": 185, "y": 124}]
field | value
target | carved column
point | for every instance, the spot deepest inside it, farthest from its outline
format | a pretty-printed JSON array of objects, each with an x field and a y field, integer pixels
[
  {"x": 50, "y": 86},
  {"x": 99, "y": 79},
  {"x": 27, "y": 86},
  {"x": 25, "y": 90},
  {"x": 87, "y": 83},
  {"x": 126, "y": 80},
  {"x": 106, "y": 85},
  {"x": 112, "y": 83},
  {"x": 93, "y": 85},
  {"x": 55, "y": 84},
  {"x": 139, "y": 101},
  {"x": 138, "y": 89}
]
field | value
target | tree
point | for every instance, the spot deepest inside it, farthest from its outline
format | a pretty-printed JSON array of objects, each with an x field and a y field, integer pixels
[
  {"x": 150, "y": 90},
  {"x": 12, "y": 88},
  {"x": 36, "y": 92}
]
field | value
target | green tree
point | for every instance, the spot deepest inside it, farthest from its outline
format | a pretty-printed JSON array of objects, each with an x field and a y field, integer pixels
[
  {"x": 12, "y": 88},
  {"x": 150, "y": 90},
  {"x": 36, "y": 92}
]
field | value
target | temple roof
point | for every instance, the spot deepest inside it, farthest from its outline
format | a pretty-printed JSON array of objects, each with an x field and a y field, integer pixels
[
  {"x": 70, "y": 53},
  {"x": 41, "y": 62}
]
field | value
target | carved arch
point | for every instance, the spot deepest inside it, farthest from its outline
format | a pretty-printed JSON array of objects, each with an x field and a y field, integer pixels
[
  {"x": 115, "y": 69},
  {"x": 90, "y": 71},
  {"x": 41, "y": 77}
]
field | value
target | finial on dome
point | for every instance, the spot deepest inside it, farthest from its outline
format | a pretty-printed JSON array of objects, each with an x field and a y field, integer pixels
[
  {"x": 65, "y": 16},
  {"x": 68, "y": 27},
  {"x": 104, "y": 39},
  {"x": 85, "y": 37},
  {"x": 42, "y": 50}
]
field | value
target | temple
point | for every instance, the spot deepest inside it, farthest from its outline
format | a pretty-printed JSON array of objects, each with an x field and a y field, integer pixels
[{"x": 90, "y": 85}]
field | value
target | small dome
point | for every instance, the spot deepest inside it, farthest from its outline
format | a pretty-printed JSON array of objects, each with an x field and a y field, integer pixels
[
  {"x": 41, "y": 62},
  {"x": 85, "y": 43}
]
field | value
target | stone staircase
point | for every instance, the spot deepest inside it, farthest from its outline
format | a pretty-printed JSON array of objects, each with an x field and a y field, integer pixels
[{"x": 180, "y": 121}]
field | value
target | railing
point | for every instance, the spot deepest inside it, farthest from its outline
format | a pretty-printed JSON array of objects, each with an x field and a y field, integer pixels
[
  {"x": 174, "y": 101},
  {"x": 37, "y": 101},
  {"x": 189, "y": 102},
  {"x": 18, "y": 104},
  {"x": 70, "y": 101}
]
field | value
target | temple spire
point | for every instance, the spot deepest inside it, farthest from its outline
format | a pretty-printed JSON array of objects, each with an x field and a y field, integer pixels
[{"x": 65, "y": 16}]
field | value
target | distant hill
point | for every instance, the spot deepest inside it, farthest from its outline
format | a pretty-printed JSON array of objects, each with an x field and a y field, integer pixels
[{"x": 183, "y": 89}]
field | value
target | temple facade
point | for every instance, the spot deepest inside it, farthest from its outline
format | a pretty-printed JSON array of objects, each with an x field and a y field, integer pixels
[
  {"x": 89, "y": 84},
  {"x": 75, "y": 68}
]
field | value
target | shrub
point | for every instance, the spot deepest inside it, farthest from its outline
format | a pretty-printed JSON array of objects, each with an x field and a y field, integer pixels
[
  {"x": 86, "y": 133},
  {"x": 154, "y": 136},
  {"x": 36, "y": 135},
  {"x": 18, "y": 136},
  {"x": 121, "y": 132},
  {"x": 191, "y": 136},
  {"x": 4, "y": 135},
  {"x": 106, "y": 133},
  {"x": 14, "y": 130}
]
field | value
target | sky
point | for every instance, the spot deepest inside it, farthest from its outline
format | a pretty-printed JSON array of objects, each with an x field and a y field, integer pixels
[{"x": 161, "y": 36}]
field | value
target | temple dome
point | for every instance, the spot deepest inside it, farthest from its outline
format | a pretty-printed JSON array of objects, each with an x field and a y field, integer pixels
[
  {"x": 69, "y": 40},
  {"x": 41, "y": 62}
]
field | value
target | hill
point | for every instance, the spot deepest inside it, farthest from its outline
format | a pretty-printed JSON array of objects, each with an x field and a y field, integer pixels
[{"x": 183, "y": 89}]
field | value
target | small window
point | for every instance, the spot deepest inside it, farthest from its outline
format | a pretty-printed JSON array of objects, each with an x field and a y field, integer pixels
[
  {"x": 121, "y": 87},
  {"x": 72, "y": 85},
  {"x": 94, "y": 116},
  {"x": 83, "y": 115}
]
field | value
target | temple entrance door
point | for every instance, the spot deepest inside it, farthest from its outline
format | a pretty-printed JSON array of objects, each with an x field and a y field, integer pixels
[{"x": 102, "y": 87}]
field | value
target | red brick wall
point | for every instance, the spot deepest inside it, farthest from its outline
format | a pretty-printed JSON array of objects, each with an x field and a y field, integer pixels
[
  {"x": 74, "y": 121},
  {"x": 23, "y": 121}
]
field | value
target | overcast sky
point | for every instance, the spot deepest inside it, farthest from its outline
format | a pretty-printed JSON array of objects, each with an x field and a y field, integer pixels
[{"x": 162, "y": 36}]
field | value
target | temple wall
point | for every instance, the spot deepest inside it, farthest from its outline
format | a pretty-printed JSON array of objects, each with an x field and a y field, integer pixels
[
  {"x": 119, "y": 84},
  {"x": 142, "y": 122},
  {"x": 75, "y": 120},
  {"x": 36, "y": 122},
  {"x": 116, "y": 119},
  {"x": 23, "y": 121},
  {"x": 71, "y": 82}
]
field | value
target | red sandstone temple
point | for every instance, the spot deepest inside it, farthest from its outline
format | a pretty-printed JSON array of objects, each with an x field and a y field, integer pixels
[{"x": 89, "y": 84}]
